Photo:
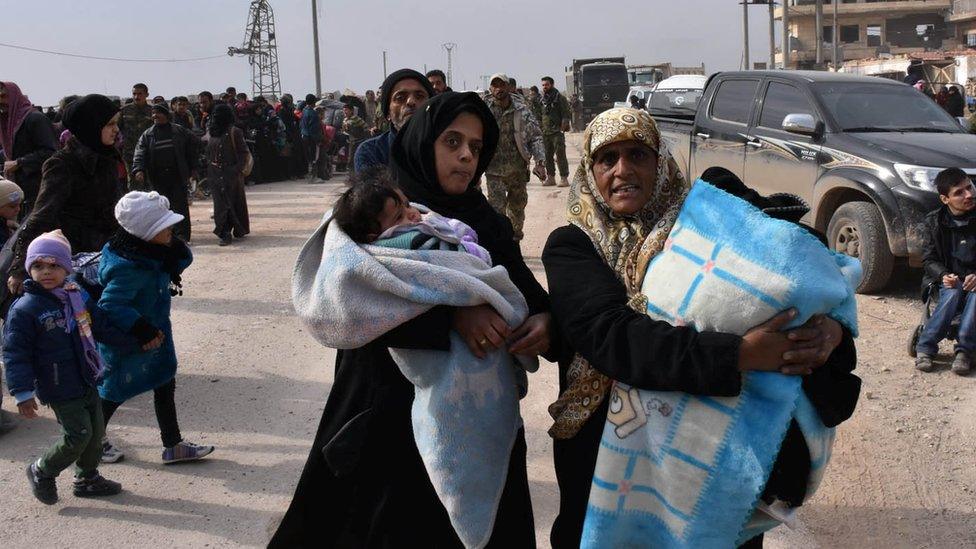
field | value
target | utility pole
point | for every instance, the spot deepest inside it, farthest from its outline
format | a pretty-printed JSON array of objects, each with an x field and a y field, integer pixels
[
  {"x": 819, "y": 29},
  {"x": 834, "y": 41},
  {"x": 745, "y": 34},
  {"x": 786, "y": 34},
  {"x": 384, "y": 64},
  {"x": 772, "y": 36},
  {"x": 449, "y": 46},
  {"x": 315, "y": 39}
]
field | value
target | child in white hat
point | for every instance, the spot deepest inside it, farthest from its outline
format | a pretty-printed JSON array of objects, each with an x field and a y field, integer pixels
[{"x": 140, "y": 270}]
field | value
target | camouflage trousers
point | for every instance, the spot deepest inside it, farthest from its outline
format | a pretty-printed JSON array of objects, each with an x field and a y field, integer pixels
[
  {"x": 556, "y": 146},
  {"x": 509, "y": 196},
  {"x": 133, "y": 185}
]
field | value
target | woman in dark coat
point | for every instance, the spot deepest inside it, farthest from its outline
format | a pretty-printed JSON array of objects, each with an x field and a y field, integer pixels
[
  {"x": 80, "y": 184},
  {"x": 226, "y": 154},
  {"x": 364, "y": 484},
  {"x": 624, "y": 200}
]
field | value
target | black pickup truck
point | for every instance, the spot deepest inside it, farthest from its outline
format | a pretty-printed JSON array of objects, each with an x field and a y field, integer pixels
[{"x": 862, "y": 151}]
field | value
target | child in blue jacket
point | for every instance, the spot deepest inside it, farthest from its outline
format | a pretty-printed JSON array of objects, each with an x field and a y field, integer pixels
[
  {"x": 140, "y": 271},
  {"x": 50, "y": 354}
]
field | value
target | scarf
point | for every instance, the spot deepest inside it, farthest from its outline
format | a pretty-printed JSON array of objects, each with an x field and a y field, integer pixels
[
  {"x": 412, "y": 155},
  {"x": 549, "y": 98},
  {"x": 626, "y": 243},
  {"x": 134, "y": 248},
  {"x": 18, "y": 107},
  {"x": 76, "y": 314},
  {"x": 86, "y": 117}
]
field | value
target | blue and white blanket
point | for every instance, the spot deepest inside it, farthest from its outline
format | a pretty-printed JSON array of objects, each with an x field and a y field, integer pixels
[
  {"x": 679, "y": 470},
  {"x": 466, "y": 410}
]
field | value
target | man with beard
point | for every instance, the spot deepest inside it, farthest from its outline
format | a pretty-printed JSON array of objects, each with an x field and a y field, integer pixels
[
  {"x": 519, "y": 141},
  {"x": 402, "y": 94},
  {"x": 136, "y": 118},
  {"x": 556, "y": 117},
  {"x": 27, "y": 138},
  {"x": 168, "y": 153}
]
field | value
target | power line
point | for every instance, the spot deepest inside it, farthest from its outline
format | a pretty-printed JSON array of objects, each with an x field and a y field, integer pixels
[{"x": 66, "y": 54}]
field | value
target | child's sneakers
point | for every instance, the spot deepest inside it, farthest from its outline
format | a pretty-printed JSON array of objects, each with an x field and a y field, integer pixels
[
  {"x": 44, "y": 488},
  {"x": 185, "y": 451},
  {"x": 110, "y": 454},
  {"x": 95, "y": 486}
]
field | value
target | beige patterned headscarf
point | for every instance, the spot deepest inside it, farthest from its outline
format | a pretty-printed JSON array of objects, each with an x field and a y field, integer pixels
[{"x": 626, "y": 243}]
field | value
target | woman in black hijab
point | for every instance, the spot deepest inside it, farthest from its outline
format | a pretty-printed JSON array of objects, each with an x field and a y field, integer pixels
[
  {"x": 226, "y": 154},
  {"x": 80, "y": 184},
  {"x": 364, "y": 484}
]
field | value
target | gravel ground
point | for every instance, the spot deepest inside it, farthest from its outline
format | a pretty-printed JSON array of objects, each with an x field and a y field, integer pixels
[{"x": 253, "y": 384}]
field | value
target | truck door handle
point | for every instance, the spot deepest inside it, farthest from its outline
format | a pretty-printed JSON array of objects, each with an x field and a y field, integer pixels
[
  {"x": 703, "y": 135},
  {"x": 755, "y": 142}
]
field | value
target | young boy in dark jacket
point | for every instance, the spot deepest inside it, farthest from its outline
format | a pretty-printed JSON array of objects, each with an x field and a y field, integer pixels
[
  {"x": 51, "y": 356},
  {"x": 950, "y": 261}
]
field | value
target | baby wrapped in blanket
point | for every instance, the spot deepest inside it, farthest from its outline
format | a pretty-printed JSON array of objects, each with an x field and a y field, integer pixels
[
  {"x": 384, "y": 260},
  {"x": 378, "y": 213}
]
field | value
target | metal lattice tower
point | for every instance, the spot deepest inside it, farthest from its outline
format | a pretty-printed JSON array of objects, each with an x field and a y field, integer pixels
[
  {"x": 449, "y": 46},
  {"x": 261, "y": 47}
]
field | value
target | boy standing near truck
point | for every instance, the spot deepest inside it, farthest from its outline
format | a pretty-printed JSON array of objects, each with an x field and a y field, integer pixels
[{"x": 950, "y": 260}]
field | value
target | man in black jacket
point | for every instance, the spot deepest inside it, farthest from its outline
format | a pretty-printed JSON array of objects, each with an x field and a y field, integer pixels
[
  {"x": 168, "y": 153},
  {"x": 950, "y": 260}
]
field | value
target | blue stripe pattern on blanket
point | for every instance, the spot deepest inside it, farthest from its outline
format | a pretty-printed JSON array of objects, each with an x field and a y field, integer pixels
[{"x": 681, "y": 470}]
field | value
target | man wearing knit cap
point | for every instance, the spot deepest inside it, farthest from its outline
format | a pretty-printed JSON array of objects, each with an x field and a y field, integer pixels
[
  {"x": 402, "y": 94},
  {"x": 168, "y": 153}
]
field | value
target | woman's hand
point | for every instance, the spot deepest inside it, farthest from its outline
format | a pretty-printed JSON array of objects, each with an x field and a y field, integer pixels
[
  {"x": 481, "y": 328},
  {"x": 532, "y": 337},
  {"x": 763, "y": 347},
  {"x": 815, "y": 341},
  {"x": 795, "y": 352}
]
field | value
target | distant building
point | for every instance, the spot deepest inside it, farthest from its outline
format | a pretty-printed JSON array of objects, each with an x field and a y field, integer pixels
[{"x": 871, "y": 29}]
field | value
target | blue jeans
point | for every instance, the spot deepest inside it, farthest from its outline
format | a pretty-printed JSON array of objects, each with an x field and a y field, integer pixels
[{"x": 952, "y": 301}]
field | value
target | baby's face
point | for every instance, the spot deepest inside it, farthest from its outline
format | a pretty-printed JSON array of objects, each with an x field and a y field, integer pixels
[{"x": 397, "y": 214}]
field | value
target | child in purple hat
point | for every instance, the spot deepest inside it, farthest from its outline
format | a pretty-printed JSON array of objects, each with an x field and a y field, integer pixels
[{"x": 51, "y": 356}]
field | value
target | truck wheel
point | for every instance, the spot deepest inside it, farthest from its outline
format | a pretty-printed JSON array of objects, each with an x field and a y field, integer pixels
[{"x": 856, "y": 229}]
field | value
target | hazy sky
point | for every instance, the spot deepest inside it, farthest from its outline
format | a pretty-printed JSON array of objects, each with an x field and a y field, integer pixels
[{"x": 526, "y": 39}]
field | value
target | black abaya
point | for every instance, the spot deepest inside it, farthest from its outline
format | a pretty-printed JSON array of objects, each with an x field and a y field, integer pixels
[{"x": 364, "y": 484}]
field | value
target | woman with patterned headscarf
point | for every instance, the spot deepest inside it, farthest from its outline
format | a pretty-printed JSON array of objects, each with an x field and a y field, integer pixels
[{"x": 623, "y": 203}]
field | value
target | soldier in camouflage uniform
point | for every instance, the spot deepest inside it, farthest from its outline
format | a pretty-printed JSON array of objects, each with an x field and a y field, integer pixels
[
  {"x": 519, "y": 141},
  {"x": 136, "y": 118},
  {"x": 357, "y": 131},
  {"x": 556, "y": 117}
]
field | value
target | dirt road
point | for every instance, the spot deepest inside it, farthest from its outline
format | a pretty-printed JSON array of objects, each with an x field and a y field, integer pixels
[{"x": 252, "y": 383}]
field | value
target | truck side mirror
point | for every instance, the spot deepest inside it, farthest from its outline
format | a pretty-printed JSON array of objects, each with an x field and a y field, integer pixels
[{"x": 801, "y": 124}]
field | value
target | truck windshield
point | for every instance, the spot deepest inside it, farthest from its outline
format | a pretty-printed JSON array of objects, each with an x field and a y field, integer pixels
[
  {"x": 604, "y": 76},
  {"x": 675, "y": 102},
  {"x": 867, "y": 107}
]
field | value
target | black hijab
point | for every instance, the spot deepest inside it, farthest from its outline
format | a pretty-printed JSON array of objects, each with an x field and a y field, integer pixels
[
  {"x": 86, "y": 117},
  {"x": 222, "y": 119},
  {"x": 387, "y": 88},
  {"x": 413, "y": 163}
]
